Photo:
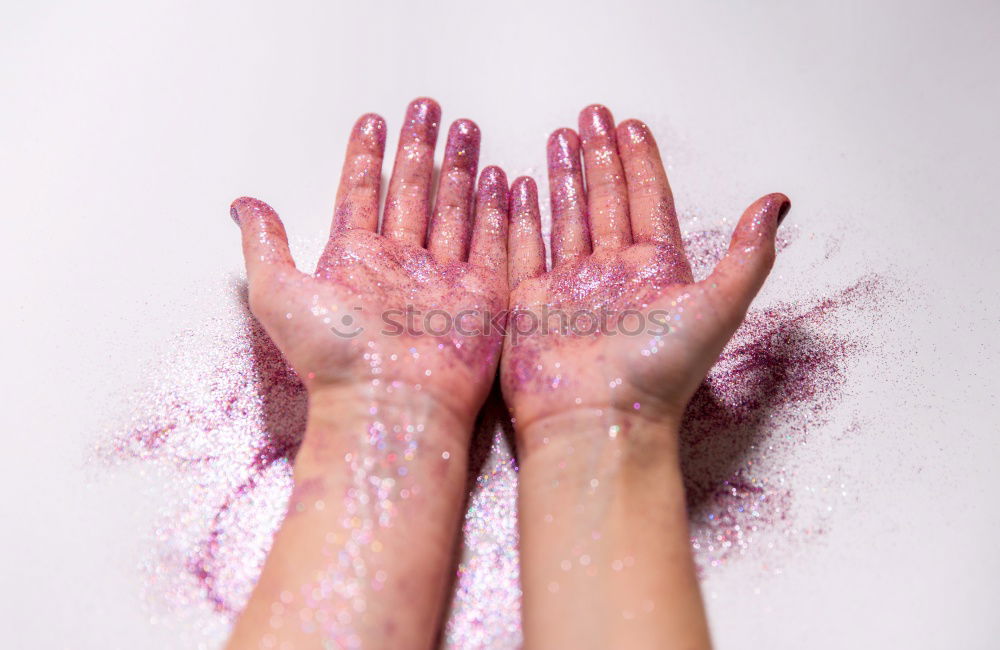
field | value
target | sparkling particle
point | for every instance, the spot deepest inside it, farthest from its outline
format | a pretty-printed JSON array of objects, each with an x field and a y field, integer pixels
[{"x": 224, "y": 415}]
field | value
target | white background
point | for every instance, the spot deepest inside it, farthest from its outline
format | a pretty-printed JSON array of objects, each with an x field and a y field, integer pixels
[{"x": 127, "y": 128}]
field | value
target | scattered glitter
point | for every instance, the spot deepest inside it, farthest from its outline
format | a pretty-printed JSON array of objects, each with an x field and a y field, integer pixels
[
  {"x": 223, "y": 420},
  {"x": 776, "y": 381},
  {"x": 221, "y": 423}
]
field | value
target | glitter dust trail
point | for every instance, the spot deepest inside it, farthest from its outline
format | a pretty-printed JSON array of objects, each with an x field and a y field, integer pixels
[
  {"x": 778, "y": 379},
  {"x": 222, "y": 420}
]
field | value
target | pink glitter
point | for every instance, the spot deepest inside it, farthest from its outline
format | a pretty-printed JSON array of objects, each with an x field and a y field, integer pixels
[
  {"x": 782, "y": 372},
  {"x": 224, "y": 419},
  {"x": 224, "y": 422}
]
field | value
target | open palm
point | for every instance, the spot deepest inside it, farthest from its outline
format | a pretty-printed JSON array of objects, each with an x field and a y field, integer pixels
[
  {"x": 618, "y": 322},
  {"x": 366, "y": 318}
]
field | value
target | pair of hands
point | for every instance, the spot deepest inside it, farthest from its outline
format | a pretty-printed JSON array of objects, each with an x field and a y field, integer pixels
[
  {"x": 616, "y": 323},
  {"x": 398, "y": 335}
]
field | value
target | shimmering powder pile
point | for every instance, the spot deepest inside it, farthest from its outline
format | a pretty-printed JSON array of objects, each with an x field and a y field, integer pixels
[
  {"x": 778, "y": 379},
  {"x": 224, "y": 418},
  {"x": 221, "y": 424}
]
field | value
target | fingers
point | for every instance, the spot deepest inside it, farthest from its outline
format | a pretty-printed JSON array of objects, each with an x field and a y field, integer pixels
[
  {"x": 650, "y": 201},
  {"x": 357, "y": 196},
  {"x": 407, "y": 203},
  {"x": 570, "y": 230},
  {"x": 265, "y": 244},
  {"x": 489, "y": 235},
  {"x": 525, "y": 248},
  {"x": 607, "y": 194},
  {"x": 741, "y": 273},
  {"x": 448, "y": 236}
]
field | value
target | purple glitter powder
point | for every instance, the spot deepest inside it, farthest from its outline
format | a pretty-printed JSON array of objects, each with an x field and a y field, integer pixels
[
  {"x": 783, "y": 373},
  {"x": 224, "y": 419}
]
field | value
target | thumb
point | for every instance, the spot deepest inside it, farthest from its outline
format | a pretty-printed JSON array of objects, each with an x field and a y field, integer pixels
[
  {"x": 265, "y": 243},
  {"x": 747, "y": 263}
]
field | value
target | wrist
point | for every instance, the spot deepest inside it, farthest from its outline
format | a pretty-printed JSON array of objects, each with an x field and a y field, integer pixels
[
  {"x": 627, "y": 438},
  {"x": 604, "y": 530},
  {"x": 388, "y": 425},
  {"x": 623, "y": 459},
  {"x": 389, "y": 399},
  {"x": 371, "y": 520}
]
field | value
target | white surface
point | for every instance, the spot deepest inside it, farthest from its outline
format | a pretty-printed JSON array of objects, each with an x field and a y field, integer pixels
[{"x": 127, "y": 128}]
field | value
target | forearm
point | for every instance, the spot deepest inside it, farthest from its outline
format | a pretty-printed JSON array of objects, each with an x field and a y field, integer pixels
[
  {"x": 362, "y": 557},
  {"x": 605, "y": 550}
]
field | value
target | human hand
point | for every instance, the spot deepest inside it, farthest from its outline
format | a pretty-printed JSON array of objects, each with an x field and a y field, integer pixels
[
  {"x": 362, "y": 557},
  {"x": 628, "y": 329},
  {"x": 344, "y": 328},
  {"x": 601, "y": 356}
]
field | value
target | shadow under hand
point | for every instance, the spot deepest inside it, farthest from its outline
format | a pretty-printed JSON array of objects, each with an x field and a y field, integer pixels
[
  {"x": 773, "y": 364},
  {"x": 283, "y": 398}
]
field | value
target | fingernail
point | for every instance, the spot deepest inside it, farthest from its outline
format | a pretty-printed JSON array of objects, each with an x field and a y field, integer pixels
[
  {"x": 248, "y": 205},
  {"x": 234, "y": 208},
  {"x": 783, "y": 210}
]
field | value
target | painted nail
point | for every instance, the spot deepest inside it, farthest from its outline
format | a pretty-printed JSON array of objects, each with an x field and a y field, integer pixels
[
  {"x": 248, "y": 205},
  {"x": 786, "y": 205},
  {"x": 237, "y": 205}
]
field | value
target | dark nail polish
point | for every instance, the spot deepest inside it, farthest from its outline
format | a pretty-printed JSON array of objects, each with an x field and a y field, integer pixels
[{"x": 783, "y": 210}]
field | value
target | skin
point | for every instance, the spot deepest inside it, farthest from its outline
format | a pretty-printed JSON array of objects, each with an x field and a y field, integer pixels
[
  {"x": 363, "y": 556},
  {"x": 604, "y": 533}
]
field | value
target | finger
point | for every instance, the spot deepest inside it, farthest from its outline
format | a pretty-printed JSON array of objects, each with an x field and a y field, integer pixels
[
  {"x": 489, "y": 234},
  {"x": 357, "y": 196},
  {"x": 607, "y": 194},
  {"x": 570, "y": 230},
  {"x": 740, "y": 274},
  {"x": 525, "y": 249},
  {"x": 265, "y": 244},
  {"x": 650, "y": 201},
  {"x": 407, "y": 203},
  {"x": 448, "y": 236}
]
